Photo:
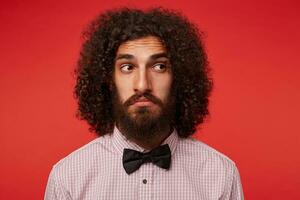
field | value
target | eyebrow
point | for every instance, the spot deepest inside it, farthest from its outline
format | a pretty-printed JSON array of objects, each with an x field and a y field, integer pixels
[{"x": 152, "y": 57}]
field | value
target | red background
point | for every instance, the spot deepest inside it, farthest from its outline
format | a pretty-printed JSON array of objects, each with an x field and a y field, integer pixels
[{"x": 253, "y": 48}]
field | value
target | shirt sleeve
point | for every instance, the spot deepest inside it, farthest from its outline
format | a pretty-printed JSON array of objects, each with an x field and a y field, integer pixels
[
  {"x": 54, "y": 189},
  {"x": 236, "y": 192}
]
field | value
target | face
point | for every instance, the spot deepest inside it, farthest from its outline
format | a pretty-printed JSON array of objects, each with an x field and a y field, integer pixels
[
  {"x": 142, "y": 68},
  {"x": 143, "y": 79}
]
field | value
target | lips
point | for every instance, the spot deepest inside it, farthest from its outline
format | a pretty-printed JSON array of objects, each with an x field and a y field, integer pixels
[
  {"x": 143, "y": 102},
  {"x": 142, "y": 99}
]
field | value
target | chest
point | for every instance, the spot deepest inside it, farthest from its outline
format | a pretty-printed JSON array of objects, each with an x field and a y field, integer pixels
[{"x": 152, "y": 183}]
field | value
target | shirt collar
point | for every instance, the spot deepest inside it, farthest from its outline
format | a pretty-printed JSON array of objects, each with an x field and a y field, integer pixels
[{"x": 120, "y": 142}]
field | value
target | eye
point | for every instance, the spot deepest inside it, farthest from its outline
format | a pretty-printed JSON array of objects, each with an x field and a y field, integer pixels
[
  {"x": 126, "y": 68},
  {"x": 160, "y": 67}
]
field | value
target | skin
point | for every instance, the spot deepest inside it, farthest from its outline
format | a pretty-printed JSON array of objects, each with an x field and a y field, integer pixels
[{"x": 141, "y": 66}]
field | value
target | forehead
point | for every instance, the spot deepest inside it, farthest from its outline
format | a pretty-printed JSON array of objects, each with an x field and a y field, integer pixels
[{"x": 149, "y": 44}]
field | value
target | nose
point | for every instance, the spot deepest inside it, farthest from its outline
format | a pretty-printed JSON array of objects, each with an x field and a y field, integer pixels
[{"x": 143, "y": 81}]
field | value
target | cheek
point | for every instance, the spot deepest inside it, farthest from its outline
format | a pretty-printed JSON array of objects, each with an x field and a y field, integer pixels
[
  {"x": 123, "y": 88},
  {"x": 163, "y": 86}
]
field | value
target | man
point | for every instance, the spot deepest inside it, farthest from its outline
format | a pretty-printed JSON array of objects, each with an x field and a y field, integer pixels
[{"x": 143, "y": 86}]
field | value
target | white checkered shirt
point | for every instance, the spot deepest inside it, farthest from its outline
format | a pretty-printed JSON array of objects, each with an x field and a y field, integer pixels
[{"x": 95, "y": 171}]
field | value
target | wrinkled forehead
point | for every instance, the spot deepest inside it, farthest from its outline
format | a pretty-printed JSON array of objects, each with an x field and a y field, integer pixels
[{"x": 145, "y": 44}]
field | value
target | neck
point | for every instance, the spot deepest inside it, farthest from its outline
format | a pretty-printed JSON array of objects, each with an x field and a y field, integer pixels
[{"x": 154, "y": 142}]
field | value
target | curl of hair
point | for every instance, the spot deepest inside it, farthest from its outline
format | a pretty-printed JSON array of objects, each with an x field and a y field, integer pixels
[{"x": 183, "y": 41}]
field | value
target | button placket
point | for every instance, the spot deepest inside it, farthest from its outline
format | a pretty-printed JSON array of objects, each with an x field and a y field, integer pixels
[
  {"x": 145, "y": 181},
  {"x": 146, "y": 173}
]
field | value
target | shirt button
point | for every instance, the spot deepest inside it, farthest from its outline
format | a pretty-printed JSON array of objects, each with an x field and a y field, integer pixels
[{"x": 144, "y": 181}]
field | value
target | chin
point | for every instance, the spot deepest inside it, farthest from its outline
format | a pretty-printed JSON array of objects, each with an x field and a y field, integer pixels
[{"x": 144, "y": 112}]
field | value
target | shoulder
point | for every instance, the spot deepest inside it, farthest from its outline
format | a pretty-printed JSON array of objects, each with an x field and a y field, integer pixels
[
  {"x": 89, "y": 150},
  {"x": 202, "y": 154},
  {"x": 217, "y": 170},
  {"x": 83, "y": 158},
  {"x": 76, "y": 168},
  {"x": 206, "y": 163}
]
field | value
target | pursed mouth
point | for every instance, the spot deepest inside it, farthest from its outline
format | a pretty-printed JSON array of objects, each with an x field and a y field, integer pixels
[{"x": 143, "y": 102}]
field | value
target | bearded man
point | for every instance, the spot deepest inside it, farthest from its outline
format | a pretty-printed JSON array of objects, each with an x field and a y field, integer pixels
[{"x": 143, "y": 85}]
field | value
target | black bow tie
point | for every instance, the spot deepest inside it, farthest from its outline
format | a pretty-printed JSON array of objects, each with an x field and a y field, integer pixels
[{"x": 160, "y": 156}]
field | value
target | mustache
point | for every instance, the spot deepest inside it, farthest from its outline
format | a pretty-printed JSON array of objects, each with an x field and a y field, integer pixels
[{"x": 134, "y": 98}]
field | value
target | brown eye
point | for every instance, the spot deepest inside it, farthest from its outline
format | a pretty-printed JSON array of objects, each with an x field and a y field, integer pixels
[
  {"x": 160, "y": 67},
  {"x": 126, "y": 68}
]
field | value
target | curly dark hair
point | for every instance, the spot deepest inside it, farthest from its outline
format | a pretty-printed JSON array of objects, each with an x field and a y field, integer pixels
[{"x": 183, "y": 41}]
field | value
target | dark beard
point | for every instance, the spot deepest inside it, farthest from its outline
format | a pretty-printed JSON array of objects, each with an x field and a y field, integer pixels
[{"x": 145, "y": 126}]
